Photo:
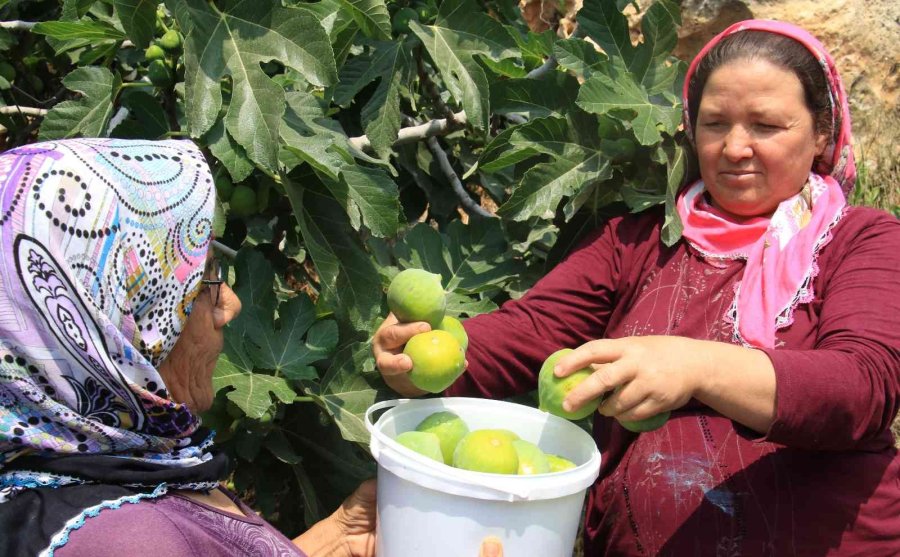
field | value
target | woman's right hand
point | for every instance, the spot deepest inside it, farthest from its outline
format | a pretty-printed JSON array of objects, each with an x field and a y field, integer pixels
[{"x": 387, "y": 346}]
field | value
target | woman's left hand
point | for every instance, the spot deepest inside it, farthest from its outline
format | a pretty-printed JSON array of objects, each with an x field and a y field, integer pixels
[
  {"x": 641, "y": 376},
  {"x": 347, "y": 532},
  {"x": 356, "y": 520}
]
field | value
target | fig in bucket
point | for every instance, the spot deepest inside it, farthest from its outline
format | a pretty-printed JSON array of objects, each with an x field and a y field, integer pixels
[
  {"x": 532, "y": 459},
  {"x": 437, "y": 359},
  {"x": 424, "y": 443},
  {"x": 417, "y": 295},
  {"x": 552, "y": 390},
  {"x": 558, "y": 463},
  {"x": 449, "y": 429},
  {"x": 487, "y": 450}
]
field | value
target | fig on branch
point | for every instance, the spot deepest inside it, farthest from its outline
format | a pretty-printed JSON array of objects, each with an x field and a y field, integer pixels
[
  {"x": 154, "y": 52},
  {"x": 160, "y": 74},
  {"x": 243, "y": 201},
  {"x": 171, "y": 40}
]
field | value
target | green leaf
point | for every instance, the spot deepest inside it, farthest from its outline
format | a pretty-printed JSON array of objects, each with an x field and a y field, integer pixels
[
  {"x": 309, "y": 136},
  {"x": 381, "y": 114},
  {"x": 501, "y": 153},
  {"x": 87, "y": 116},
  {"x": 676, "y": 167},
  {"x": 346, "y": 394},
  {"x": 371, "y": 194},
  {"x": 534, "y": 98},
  {"x": 462, "y": 32},
  {"x": 602, "y": 94},
  {"x": 578, "y": 56},
  {"x": 147, "y": 113},
  {"x": 83, "y": 30},
  {"x": 253, "y": 283},
  {"x": 372, "y": 17},
  {"x": 471, "y": 258},
  {"x": 603, "y": 22},
  {"x": 232, "y": 43},
  {"x": 545, "y": 185},
  {"x": 283, "y": 350},
  {"x": 252, "y": 392},
  {"x": 74, "y": 9},
  {"x": 347, "y": 275},
  {"x": 138, "y": 18},
  {"x": 228, "y": 152}
]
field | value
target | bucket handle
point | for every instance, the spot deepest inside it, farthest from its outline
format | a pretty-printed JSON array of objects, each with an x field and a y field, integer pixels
[{"x": 510, "y": 494}]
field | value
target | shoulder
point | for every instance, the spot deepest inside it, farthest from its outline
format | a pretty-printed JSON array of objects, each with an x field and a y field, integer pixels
[
  {"x": 866, "y": 226},
  {"x": 129, "y": 530},
  {"x": 630, "y": 230}
]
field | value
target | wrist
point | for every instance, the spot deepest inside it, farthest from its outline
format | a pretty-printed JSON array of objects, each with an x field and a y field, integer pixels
[{"x": 324, "y": 538}]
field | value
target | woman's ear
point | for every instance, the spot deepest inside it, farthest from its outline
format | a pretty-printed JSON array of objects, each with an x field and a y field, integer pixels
[{"x": 821, "y": 143}]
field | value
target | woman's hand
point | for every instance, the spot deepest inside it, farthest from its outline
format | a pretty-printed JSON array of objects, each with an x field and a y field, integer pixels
[
  {"x": 348, "y": 532},
  {"x": 648, "y": 375},
  {"x": 387, "y": 346},
  {"x": 643, "y": 375}
]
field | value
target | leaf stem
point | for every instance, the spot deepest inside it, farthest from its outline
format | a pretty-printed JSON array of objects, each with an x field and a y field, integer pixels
[
  {"x": 304, "y": 399},
  {"x": 137, "y": 84},
  {"x": 177, "y": 133},
  {"x": 17, "y": 25}
]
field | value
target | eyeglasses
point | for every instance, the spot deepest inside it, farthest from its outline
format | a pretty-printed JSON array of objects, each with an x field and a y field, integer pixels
[{"x": 214, "y": 286}]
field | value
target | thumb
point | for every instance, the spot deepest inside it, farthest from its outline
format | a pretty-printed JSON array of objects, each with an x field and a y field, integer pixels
[{"x": 491, "y": 547}]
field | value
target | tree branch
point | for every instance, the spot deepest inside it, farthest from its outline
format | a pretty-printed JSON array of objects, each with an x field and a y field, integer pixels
[
  {"x": 17, "y": 25},
  {"x": 443, "y": 160},
  {"x": 23, "y": 110},
  {"x": 415, "y": 133},
  {"x": 549, "y": 65}
]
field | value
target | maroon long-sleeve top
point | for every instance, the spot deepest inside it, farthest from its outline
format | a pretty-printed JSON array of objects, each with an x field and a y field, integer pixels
[{"x": 824, "y": 480}]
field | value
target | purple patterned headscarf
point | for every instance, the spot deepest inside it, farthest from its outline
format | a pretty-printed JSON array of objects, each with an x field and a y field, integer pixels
[{"x": 103, "y": 247}]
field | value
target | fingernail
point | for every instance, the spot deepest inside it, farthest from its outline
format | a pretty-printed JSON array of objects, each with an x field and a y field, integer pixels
[
  {"x": 567, "y": 406},
  {"x": 424, "y": 328},
  {"x": 556, "y": 370},
  {"x": 407, "y": 363},
  {"x": 491, "y": 548}
]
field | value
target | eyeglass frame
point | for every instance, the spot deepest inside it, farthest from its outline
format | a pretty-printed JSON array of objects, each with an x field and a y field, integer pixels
[{"x": 221, "y": 276}]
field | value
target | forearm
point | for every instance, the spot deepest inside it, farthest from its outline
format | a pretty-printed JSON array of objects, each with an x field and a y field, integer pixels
[{"x": 737, "y": 382}]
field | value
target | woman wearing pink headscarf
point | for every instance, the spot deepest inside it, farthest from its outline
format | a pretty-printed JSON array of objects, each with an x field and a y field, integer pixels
[{"x": 771, "y": 332}]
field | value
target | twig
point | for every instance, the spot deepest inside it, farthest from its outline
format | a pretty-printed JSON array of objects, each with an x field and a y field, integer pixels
[
  {"x": 416, "y": 133},
  {"x": 23, "y": 110},
  {"x": 444, "y": 161},
  {"x": 549, "y": 65},
  {"x": 17, "y": 25},
  {"x": 225, "y": 250},
  {"x": 432, "y": 91}
]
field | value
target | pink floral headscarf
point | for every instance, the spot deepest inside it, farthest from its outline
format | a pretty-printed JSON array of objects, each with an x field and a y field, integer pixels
[{"x": 780, "y": 250}]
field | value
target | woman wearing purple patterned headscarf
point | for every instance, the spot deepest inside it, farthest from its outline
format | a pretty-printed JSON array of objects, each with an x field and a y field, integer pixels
[
  {"x": 769, "y": 336},
  {"x": 107, "y": 347}
]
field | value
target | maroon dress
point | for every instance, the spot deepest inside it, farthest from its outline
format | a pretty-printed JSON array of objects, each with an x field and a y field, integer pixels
[{"x": 824, "y": 480}]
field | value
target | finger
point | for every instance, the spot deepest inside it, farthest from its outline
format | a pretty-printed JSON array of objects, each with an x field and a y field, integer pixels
[
  {"x": 643, "y": 411},
  {"x": 393, "y": 364},
  {"x": 622, "y": 399},
  {"x": 594, "y": 352},
  {"x": 393, "y": 337},
  {"x": 491, "y": 547},
  {"x": 602, "y": 381}
]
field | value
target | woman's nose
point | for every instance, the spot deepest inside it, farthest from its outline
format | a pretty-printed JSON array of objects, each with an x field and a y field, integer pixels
[
  {"x": 229, "y": 306},
  {"x": 738, "y": 145}
]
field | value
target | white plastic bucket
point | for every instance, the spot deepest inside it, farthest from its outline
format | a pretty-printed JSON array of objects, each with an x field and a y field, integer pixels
[{"x": 428, "y": 509}]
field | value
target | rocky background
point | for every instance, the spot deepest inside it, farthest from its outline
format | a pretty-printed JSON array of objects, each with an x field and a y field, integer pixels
[{"x": 863, "y": 36}]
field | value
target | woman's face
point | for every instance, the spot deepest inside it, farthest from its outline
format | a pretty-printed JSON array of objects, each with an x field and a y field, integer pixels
[
  {"x": 187, "y": 371},
  {"x": 755, "y": 137}
]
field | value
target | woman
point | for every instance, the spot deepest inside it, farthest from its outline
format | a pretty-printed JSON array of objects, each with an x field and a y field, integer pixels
[
  {"x": 771, "y": 331},
  {"x": 111, "y": 317}
]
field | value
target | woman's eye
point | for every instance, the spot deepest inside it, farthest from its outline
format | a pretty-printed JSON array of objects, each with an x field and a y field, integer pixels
[{"x": 768, "y": 126}]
